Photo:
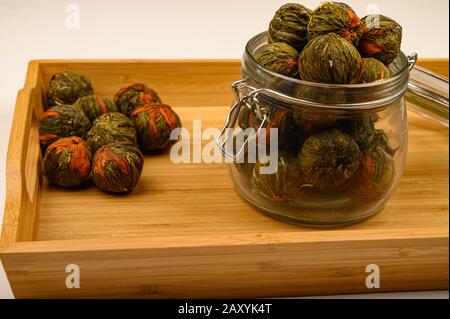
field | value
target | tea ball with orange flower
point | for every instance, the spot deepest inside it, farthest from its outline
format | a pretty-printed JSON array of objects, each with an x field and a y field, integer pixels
[
  {"x": 279, "y": 57},
  {"x": 117, "y": 167},
  {"x": 67, "y": 87},
  {"x": 335, "y": 17},
  {"x": 331, "y": 59},
  {"x": 109, "y": 128},
  {"x": 381, "y": 38},
  {"x": 67, "y": 162},
  {"x": 62, "y": 121},
  {"x": 94, "y": 106},
  {"x": 154, "y": 124},
  {"x": 135, "y": 95}
]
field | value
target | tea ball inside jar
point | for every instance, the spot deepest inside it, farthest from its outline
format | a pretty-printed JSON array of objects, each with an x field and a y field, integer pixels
[
  {"x": 381, "y": 38},
  {"x": 335, "y": 17},
  {"x": 361, "y": 127},
  {"x": 280, "y": 58},
  {"x": 374, "y": 176},
  {"x": 328, "y": 159},
  {"x": 283, "y": 184},
  {"x": 289, "y": 136},
  {"x": 374, "y": 70},
  {"x": 330, "y": 59},
  {"x": 289, "y": 25}
]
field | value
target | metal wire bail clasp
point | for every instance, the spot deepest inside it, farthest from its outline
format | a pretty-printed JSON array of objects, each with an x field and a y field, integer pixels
[
  {"x": 249, "y": 100},
  {"x": 412, "y": 59}
]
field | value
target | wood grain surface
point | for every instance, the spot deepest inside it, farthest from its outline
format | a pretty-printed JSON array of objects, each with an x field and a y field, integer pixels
[{"x": 185, "y": 232}]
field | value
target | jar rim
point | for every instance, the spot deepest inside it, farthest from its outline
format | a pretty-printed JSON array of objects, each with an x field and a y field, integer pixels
[
  {"x": 251, "y": 43},
  {"x": 302, "y": 93}
]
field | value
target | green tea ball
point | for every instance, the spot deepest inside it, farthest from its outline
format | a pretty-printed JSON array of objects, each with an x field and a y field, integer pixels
[
  {"x": 134, "y": 95},
  {"x": 330, "y": 59},
  {"x": 62, "y": 121},
  {"x": 67, "y": 87},
  {"x": 67, "y": 162},
  {"x": 374, "y": 70},
  {"x": 374, "y": 176},
  {"x": 312, "y": 121},
  {"x": 109, "y": 128},
  {"x": 381, "y": 38},
  {"x": 94, "y": 106},
  {"x": 289, "y": 25},
  {"x": 280, "y": 58},
  {"x": 360, "y": 127},
  {"x": 335, "y": 17},
  {"x": 329, "y": 159},
  {"x": 154, "y": 123},
  {"x": 244, "y": 164},
  {"x": 117, "y": 167},
  {"x": 290, "y": 137},
  {"x": 282, "y": 185},
  {"x": 380, "y": 139}
]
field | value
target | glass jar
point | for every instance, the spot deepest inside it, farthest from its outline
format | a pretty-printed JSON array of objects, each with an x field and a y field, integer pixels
[{"x": 341, "y": 148}]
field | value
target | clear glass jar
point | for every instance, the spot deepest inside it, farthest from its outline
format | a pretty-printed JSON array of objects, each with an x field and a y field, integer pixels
[{"x": 341, "y": 148}]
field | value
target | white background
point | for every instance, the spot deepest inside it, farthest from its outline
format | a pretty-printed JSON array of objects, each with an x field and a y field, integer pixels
[{"x": 167, "y": 29}]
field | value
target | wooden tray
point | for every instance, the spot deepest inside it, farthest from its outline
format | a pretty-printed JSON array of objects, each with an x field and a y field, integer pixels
[{"x": 184, "y": 231}]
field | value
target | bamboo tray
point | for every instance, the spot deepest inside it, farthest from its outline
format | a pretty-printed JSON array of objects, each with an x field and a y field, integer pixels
[{"x": 184, "y": 231}]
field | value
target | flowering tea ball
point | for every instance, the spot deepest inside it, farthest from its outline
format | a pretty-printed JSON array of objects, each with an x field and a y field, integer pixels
[
  {"x": 374, "y": 70},
  {"x": 329, "y": 159},
  {"x": 335, "y": 17},
  {"x": 67, "y": 162},
  {"x": 94, "y": 106},
  {"x": 374, "y": 177},
  {"x": 117, "y": 167},
  {"x": 280, "y": 58},
  {"x": 381, "y": 38},
  {"x": 289, "y": 25},
  {"x": 67, "y": 87},
  {"x": 134, "y": 95},
  {"x": 245, "y": 163},
  {"x": 289, "y": 136},
  {"x": 380, "y": 139},
  {"x": 154, "y": 123},
  {"x": 282, "y": 185},
  {"x": 109, "y": 128},
  {"x": 360, "y": 127},
  {"x": 62, "y": 121},
  {"x": 312, "y": 121},
  {"x": 331, "y": 59}
]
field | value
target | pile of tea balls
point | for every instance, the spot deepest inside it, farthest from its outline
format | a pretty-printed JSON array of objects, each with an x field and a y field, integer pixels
[
  {"x": 330, "y": 44},
  {"x": 323, "y": 150},
  {"x": 85, "y": 137}
]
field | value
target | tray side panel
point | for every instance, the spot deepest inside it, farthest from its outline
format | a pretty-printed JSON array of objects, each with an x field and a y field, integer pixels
[
  {"x": 179, "y": 82},
  {"x": 245, "y": 271},
  {"x": 23, "y": 170}
]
